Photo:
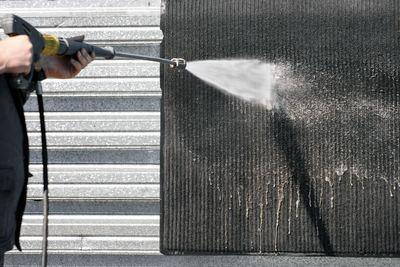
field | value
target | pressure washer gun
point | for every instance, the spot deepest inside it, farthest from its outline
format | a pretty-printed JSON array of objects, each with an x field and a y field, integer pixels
[{"x": 50, "y": 45}]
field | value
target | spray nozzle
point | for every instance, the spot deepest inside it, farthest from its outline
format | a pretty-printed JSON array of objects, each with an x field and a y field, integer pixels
[{"x": 180, "y": 63}]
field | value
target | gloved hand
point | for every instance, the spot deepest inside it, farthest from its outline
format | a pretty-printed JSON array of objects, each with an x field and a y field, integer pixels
[
  {"x": 64, "y": 67},
  {"x": 15, "y": 55}
]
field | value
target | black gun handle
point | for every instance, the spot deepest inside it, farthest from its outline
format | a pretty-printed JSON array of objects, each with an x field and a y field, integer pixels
[{"x": 69, "y": 47}]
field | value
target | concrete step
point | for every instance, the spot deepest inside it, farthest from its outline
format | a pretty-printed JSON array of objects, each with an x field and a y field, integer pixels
[
  {"x": 96, "y": 139},
  {"x": 95, "y": 121},
  {"x": 119, "y": 68},
  {"x": 96, "y": 191},
  {"x": 95, "y": 207},
  {"x": 101, "y": 85},
  {"x": 62, "y": 17},
  {"x": 74, "y": 244},
  {"x": 111, "y": 102},
  {"x": 99, "y": 155},
  {"x": 107, "y": 35},
  {"x": 97, "y": 182},
  {"x": 93, "y": 225},
  {"x": 97, "y": 174},
  {"x": 82, "y": 5}
]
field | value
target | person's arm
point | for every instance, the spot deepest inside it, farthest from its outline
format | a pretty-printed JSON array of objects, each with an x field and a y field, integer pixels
[
  {"x": 64, "y": 67},
  {"x": 15, "y": 55}
]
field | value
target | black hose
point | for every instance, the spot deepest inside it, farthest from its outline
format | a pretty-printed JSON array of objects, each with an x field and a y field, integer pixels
[{"x": 45, "y": 231}]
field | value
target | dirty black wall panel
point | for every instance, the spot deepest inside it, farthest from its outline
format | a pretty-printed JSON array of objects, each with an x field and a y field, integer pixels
[{"x": 318, "y": 175}]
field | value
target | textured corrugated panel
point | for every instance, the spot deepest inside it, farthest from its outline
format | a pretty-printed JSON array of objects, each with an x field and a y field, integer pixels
[
  {"x": 319, "y": 174},
  {"x": 103, "y": 133}
]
